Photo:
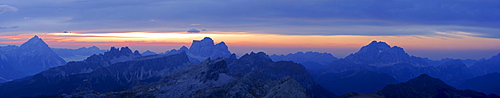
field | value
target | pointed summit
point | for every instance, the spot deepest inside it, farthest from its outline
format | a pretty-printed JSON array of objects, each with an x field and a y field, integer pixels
[
  {"x": 37, "y": 56},
  {"x": 380, "y": 54},
  {"x": 34, "y": 42}
]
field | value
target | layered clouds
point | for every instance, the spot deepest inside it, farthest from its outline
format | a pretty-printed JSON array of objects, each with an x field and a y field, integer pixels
[
  {"x": 290, "y": 17},
  {"x": 7, "y": 8}
]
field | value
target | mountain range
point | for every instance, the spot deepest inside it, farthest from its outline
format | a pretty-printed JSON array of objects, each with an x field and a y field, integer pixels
[
  {"x": 311, "y": 60},
  {"x": 77, "y": 54},
  {"x": 394, "y": 61},
  {"x": 33, "y": 56},
  {"x": 206, "y": 69}
]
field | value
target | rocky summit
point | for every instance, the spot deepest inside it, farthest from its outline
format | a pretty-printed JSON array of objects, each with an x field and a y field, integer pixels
[
  {"x": 30, "y": 58},
  {"x": 203, "y": 49}
]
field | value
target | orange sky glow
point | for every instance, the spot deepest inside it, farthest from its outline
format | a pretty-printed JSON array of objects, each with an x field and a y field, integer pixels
[{"x": 163, "y": 41}]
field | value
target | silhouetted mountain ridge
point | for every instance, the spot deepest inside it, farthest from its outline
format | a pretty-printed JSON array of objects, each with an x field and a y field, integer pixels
[
  {"x": 423, "y": 86},
  {"x": 310, "y": 60},
  {"x": 489, "y": 83}
]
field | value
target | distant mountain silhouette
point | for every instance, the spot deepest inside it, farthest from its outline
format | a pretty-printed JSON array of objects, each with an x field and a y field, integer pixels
[
  {"x": 104, "y": 69},
  {"x": 423, "y": 86},
  {"x": 394, "y": 61},
  {"x": 489, "y": 83},
  {"x": 147, "y": 52},
  {"x": 202, "y": 49},
  {"x": 380, "y": 57},
  {"x": 310, "y": 60},
  {"x": 435, "y": 63},
  {"x": 30, "y": 58},
  {"x": 355, "y": 81},
  {"x": 77, "y": 54},
  {"x": 454, "y": 72},
  {"x": 490, "y": 65}
]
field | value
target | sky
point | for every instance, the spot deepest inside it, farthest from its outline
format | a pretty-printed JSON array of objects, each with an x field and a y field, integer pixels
[{"x": 463, "y": 29}]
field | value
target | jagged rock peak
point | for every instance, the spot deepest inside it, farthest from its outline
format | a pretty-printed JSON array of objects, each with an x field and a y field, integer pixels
[
  {"x": 125, "y": 50},
  {"x": 206, "y": 48},
  {"x": 113, "y": 49},
  {"x": 115, "y": 52},
  {"x": 257, "y": 56}
]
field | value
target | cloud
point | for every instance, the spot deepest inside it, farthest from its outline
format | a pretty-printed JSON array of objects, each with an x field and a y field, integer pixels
[
  {"x": 193, "y": 30},
  {"x": 7, "y": 8},
  {"x": 12, "y": 27},
  {"x": 292, "y": 17}
]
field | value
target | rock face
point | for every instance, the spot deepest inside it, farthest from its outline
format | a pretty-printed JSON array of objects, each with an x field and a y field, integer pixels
[
  {"x": 205, "y": 48},
  {"x": 30, "y": 58},
  {"x": 77, "y": 54},
  {"x": 422, "y": 86},
  {"x": 355, "y": 81},
  {"x": 310, "y": 60},
  {"x": 489, "y": 83}
]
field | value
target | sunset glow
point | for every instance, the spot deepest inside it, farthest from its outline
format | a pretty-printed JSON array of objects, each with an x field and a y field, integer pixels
[{"x": 163, "y": 41}]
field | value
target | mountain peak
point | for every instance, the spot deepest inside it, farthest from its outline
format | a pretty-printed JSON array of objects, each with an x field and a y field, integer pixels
[
  {"x": 376, "y": 45},
  {"x": 33, "y": 42},
  {"x": 36, "y": 36},
  {"x": 260, "y": 56},
  {"x": 207, "y": 38},
  {"x": 206, "y": 48},
  {"x": 379, "y": 53},
  {"x": 424, "y": 76}
]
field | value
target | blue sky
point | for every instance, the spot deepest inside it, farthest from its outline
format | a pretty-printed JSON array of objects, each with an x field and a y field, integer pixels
[{"x": 477, "y": 18}]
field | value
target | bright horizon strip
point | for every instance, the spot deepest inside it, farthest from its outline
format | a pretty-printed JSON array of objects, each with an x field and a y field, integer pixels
[{"x": 163, "y": 41}]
